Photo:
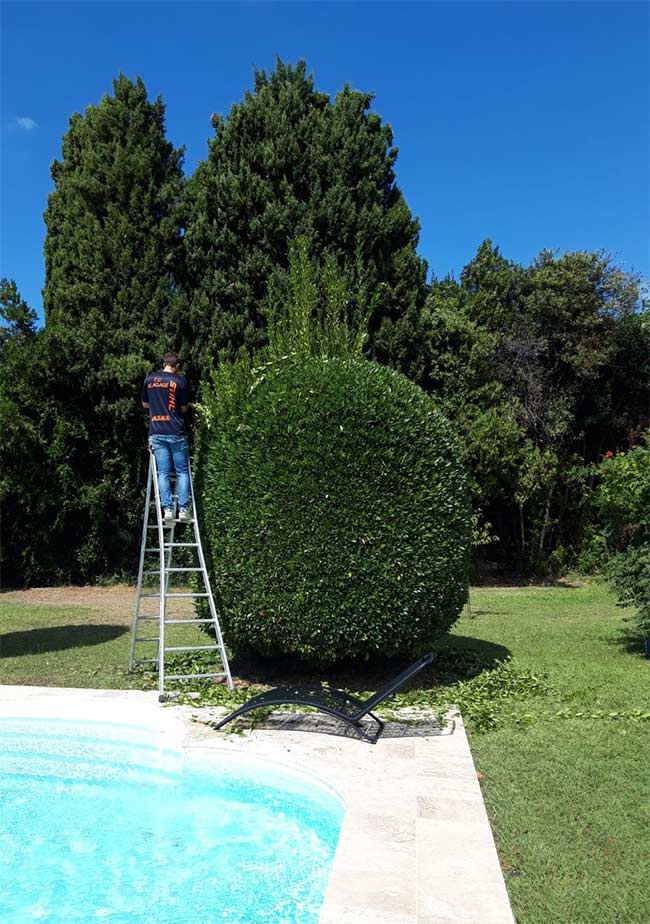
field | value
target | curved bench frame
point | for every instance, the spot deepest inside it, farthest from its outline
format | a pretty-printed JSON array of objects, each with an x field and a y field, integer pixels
[{"x": 317, "y": 698}]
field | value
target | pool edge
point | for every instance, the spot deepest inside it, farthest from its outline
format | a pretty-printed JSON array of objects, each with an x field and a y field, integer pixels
[{"x": 415, "y": 845}]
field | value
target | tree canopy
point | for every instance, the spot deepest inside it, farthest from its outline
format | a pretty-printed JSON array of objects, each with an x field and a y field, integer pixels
[
  {"x": 111, "y": 253},
  {"x": 289, "y": 162}
]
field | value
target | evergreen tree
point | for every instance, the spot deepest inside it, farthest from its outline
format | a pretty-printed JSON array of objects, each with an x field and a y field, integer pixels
[
  {"x": 288, "y": 162},
  {"x": 112, "y": 250},
  {"x": 25, "y": 548}
]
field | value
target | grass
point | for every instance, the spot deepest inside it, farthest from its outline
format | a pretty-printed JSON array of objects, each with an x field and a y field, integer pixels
[
  {"x": 64, "y": 647},
  {"x": 560, "y": 735},
  {"x": 569, "y": 798}
]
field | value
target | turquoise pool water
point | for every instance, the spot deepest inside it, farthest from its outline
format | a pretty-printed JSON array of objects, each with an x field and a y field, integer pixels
[{"x": 99, "y": 825}]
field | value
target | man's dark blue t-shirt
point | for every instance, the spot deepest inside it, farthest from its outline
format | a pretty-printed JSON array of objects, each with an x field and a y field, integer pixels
[{"x": 165, "y": 393}]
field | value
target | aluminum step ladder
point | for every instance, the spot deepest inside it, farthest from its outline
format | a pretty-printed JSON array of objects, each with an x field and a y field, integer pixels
[{"x": 163, "y": 546}]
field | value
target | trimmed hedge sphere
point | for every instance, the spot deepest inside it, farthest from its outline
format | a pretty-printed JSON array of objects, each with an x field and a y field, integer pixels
[{"x": 336, "y": 514}]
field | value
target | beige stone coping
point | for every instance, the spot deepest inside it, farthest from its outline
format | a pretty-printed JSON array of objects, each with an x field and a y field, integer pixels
[{"x": 415, "y": 846}]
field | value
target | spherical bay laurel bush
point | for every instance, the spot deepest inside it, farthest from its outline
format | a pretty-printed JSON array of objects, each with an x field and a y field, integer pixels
[{"x": 336, "y": 512}]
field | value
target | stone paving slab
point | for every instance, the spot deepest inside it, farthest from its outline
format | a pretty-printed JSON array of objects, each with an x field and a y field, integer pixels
[{"x": 415, "y": 845}]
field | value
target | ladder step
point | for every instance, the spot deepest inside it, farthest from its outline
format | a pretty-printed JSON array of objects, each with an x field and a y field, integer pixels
[
  {"x": 191, "y": 676},
  {"x": 175, "y": 595},
  {"x": 169, "y": 570},
  {"x": 152, "y": 638},
  {"x": 167, "y": 524},
  {"x": 174, "y": 545},
  {"x": 185, "y": 622},
  {"x": 145, "y": 660},
  {"x": 193, "y": 648}
]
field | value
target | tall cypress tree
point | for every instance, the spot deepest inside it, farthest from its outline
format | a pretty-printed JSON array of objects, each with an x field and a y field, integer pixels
[
  {"x": 289, "y": 162},
  {"x": 112, "y": 249}
]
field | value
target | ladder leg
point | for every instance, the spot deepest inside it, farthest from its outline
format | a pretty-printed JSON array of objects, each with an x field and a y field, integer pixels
[
  {"x": 162, "y": 584},
  {"x": 138, "y": 592},
  {"x": 206, "y": 581},
  {"x": 164, "y": 580}
]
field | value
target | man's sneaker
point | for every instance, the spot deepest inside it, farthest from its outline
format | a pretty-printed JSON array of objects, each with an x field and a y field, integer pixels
[
  {"x": 184, "y": 515},
  {"x": 169, "y": 514}
]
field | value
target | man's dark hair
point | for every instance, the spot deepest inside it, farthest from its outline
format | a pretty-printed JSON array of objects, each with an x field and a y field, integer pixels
[{"x": 172, "y": 359}]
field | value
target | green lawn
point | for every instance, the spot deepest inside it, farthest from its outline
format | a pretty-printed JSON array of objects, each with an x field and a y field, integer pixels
[
  {"x": 569, "y": 798},
  {"x": 565, "y": 771},
  {"x": 63, "y": 646}
]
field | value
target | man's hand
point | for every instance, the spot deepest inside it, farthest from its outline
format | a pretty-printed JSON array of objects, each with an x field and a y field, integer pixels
[{"x": 144, "y": 404}]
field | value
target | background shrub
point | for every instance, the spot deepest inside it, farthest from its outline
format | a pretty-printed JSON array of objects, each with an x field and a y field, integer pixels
[
  {"x": 623, "y": 502},
  {"x": 336, "y": 510}
]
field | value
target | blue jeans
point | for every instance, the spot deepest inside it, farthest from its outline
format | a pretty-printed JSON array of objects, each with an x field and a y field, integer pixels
[{"x": 172, "y": 454}]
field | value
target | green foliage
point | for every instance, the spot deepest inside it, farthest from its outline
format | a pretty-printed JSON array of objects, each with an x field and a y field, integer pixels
[
  {"x": 25, "y": 553},
  {"x": 288, "y": 162},
  {"x": 336, "y": 513},
  {"x": 523, "y": 360},
  {"x": 623, "y": 504},
  {"x": 623, "y": 496},
  {"x": 18, "y": 319},
  {"x": 308, "y": 310},
  {"x": 332, "y": 495},
  {"x": 112, "y": 245},
  {"x": 485, "y": 701},
  {"x": 630, "y": 574}
]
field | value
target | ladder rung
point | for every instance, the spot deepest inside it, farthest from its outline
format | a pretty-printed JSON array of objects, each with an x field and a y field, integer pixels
[
  {"x": 174, "y": 545},
  {"x": 145, "y": 661},
  {"x": 183, "y": 622},
  {"x": 152, "y": 638},
  {"x": 193, "y": 648},
  {"x": 167, "y": 524},
  {"x": 176, "y": 622},
  {"x": 191, "y": 676},
  {"x": 168, "y": 570},
  {"x": 175, "y": 595}
]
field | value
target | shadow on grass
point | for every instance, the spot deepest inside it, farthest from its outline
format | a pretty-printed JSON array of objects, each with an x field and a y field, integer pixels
[
  {"x": 630, "y": 639},
  {"x": 56, "y": 638},
  {"x": 456, "y": 657}
]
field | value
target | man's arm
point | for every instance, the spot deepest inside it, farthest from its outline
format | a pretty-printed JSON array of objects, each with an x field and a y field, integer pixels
[{"x": 144, "y": 395}]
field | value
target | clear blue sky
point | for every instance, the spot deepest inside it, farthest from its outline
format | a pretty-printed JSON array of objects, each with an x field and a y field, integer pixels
[{"x": 524, "y": 122}]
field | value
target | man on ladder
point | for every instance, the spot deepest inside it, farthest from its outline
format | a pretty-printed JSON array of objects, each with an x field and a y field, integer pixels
[{"x": 164, "y": 394}]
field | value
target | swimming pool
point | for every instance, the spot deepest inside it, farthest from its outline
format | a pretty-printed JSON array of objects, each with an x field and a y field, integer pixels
[{"x": 101, "y": 823}]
